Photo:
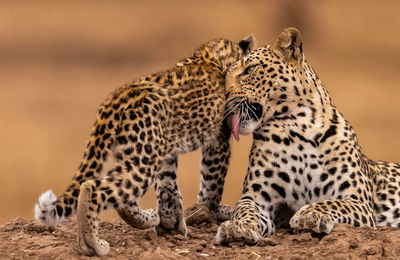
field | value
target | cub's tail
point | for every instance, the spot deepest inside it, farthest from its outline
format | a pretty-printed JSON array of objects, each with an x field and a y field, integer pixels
[
  {"x": 50, "y": 209},
  {"x": 45, "y": 209}
]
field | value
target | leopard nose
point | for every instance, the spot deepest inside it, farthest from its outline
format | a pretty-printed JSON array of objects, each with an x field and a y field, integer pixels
[{"x": 256, "y": 110}]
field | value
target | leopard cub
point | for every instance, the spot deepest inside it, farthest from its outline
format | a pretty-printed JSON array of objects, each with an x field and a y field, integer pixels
[{"x": 146, "y": 125}]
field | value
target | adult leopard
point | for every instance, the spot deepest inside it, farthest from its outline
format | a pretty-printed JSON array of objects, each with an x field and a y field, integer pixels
[
  {"x": 147, "y": 124},
  {"x": 305, "y": 157}
]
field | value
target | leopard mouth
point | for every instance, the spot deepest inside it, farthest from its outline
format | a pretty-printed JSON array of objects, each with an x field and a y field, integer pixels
[
  {"x": 234, "y": 124},
  {"x": 245, "y": 118}
]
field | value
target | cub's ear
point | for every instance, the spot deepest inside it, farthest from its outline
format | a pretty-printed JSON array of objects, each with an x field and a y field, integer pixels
[
  {"x": 248, "y": 43},
  {"x": 289, "y": 45}
]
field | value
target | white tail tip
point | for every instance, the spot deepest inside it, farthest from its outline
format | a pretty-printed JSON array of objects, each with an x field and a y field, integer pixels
[{"x": 45, "y": 209}]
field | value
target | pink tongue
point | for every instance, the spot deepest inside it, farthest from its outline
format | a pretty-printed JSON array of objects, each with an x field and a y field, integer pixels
[{"x": 234, "y": 124}]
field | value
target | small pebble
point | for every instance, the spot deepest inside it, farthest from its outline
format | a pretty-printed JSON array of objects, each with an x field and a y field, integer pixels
[
  {"x": 180, "y": 237},
  {"x": 353, "y": 243},
  {"x": 268, "y": 242},
  {"x": 182, "y": 251},
  {"x": 236, "y": 244}
]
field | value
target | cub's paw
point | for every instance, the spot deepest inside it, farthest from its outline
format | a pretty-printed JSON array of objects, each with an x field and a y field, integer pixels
[
  {"x": 308, "y": 219},
  {"x": 90, "y": 245},
  {"x": 170, "y": 223},
  {"x": 139, "y": 218},
  {"x": 171, "y": 216},
  {"x": 224, "y": 212},
  {"x": 230, "y": 231}
]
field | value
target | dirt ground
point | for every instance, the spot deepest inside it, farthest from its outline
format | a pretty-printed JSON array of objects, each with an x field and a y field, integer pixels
[{"x": 23, "y": 239}]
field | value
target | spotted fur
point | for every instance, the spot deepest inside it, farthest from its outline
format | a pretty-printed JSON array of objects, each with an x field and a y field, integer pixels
[
  {"x": 146, "y": 125},
  {"x": 305, "y": 159}
]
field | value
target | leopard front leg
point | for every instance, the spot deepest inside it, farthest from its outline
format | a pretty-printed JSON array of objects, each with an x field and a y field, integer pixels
[
  {"x": 321, "y": 217},
  {"x": 254, "y": 213},
  {"x": 264, "y": 193},
  {"x": 248, "y": 224},
  {"x": 169, "y": 198},
  {"x": 213, "y": 168}
]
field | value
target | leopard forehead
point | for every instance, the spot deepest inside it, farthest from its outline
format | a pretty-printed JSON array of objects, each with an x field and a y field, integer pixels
[
  {"x": 264, "y": 75},
  {"x": 263, "y": 64}
]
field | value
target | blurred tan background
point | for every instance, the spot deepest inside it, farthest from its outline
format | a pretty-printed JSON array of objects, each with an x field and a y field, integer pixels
[{"x": 59, "y": 60}]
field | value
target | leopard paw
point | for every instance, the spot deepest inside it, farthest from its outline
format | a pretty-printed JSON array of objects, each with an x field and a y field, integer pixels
[
  {"x": 230, "y": 231},
  {"x": 171, "y": 216},
  {"x": 172, "y": 222},
  {"x": 139, "y": 218},
  {"x": 308, "y": 219},
  {"x": 89, "y": 245}
]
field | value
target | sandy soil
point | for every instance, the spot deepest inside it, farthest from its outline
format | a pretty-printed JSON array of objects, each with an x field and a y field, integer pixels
[{"x": 23, "y": 239}]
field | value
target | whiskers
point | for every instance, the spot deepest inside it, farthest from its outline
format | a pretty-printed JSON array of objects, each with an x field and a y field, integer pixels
[
  {"x": 250, "y": 108},
  {"x": 248, "y": 113},
  {"x": 233, "y": 107}
]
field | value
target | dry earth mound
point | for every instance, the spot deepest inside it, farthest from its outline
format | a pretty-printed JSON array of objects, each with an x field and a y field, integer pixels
[{"x": 26, "y": 239}]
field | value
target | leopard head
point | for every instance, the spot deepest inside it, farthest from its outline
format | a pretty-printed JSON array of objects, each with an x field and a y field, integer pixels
[{"x": 266, "y": 84}]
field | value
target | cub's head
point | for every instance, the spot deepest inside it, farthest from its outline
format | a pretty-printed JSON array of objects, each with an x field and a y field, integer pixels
[
  {"x": 267, "y": 83},
  {"x": 221, "y": 53}
]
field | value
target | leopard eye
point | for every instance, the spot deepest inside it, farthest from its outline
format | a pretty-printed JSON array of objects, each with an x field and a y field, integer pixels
[{"x": 249, "y": 69}]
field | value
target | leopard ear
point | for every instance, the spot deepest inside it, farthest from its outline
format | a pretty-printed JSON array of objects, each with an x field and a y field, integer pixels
[
  {"x": 289, "y": 45},
  {"x": 248, "y": 43}
]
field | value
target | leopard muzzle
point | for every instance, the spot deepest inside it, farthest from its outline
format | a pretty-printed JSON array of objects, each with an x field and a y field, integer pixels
[{"x": 243, "y": 117}]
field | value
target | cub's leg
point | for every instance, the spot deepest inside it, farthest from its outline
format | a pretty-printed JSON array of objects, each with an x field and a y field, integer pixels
[
  {"x": 118, "y": 190},
  {"x": 169, "y": 198},
  {"x": 213, "y": 168},
  {"x": 138, "y": 218}
]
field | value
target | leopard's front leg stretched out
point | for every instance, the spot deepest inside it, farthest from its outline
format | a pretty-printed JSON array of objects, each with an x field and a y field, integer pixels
[{"x": 321, "y": 217}]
